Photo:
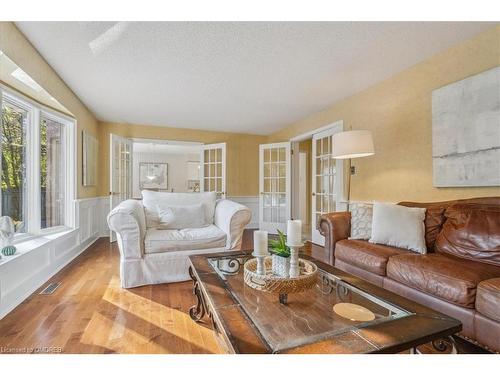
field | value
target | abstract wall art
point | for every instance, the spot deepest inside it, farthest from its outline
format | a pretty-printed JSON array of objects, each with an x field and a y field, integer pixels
[{"x": 466, "y": 132}]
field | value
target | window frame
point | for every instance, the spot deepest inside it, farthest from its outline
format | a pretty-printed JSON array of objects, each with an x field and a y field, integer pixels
[{"x": 36, "y": 112}]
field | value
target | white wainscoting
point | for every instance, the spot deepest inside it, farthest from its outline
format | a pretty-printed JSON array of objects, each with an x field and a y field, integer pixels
[
  {"x": 38, "y": 259},
  {"x": 252, "y": 203}
]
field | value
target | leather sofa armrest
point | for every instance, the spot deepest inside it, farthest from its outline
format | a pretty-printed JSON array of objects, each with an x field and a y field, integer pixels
[
  {"x": 335, "y": 226},
  {"x": 128, "y": 221}
]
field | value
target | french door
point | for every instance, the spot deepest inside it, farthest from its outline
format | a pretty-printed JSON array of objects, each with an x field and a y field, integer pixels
[
  {"x": 120, "y": 179},
  {"x": 327, "y": 180},
  {"x": 213, "y": 169},
  {"x": 274, "y": 185}
]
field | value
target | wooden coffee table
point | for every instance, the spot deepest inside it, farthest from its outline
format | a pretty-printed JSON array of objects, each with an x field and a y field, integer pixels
[{"x": 250, "y": 321}]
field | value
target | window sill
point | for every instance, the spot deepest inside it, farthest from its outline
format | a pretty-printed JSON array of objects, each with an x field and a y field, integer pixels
[{"x": 27, "y": 244}]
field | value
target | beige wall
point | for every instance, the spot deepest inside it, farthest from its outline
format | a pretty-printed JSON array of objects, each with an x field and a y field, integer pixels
[
  {"x": 398, "y": 112},
  {"x": 242, "y": 152},
  {"x": 20, "y": 50}
]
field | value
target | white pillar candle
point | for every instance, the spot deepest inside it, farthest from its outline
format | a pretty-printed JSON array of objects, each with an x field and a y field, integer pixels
[
  {"x": 294, "y": 233},
  {"x": 260, "y": 242}
]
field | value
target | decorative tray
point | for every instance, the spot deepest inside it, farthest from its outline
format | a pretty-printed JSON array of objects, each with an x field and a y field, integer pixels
[{"x": 276, "y": 284}]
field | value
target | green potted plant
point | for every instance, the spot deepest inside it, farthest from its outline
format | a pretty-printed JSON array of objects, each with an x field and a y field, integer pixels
[{"x": 280, "y": 255}]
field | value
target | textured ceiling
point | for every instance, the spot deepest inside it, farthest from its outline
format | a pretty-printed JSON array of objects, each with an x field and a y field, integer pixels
[{"x": 251, "y": 77}]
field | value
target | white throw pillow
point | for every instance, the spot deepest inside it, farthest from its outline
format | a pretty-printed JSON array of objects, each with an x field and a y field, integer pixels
[
  {"x": 399, "y": 226},
  {"x": 154, "y": 200},
  {"x": 361, "y": 220},
  {"x": 182, "y": 217}
]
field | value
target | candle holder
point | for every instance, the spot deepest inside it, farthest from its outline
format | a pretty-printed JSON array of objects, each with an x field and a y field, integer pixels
[
  {"x": 261, "y": 269},
  {"x": 294, "y": 259}
]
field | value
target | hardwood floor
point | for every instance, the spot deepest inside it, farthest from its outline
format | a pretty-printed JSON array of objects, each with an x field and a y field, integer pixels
[{"x": 90, "y": 313}]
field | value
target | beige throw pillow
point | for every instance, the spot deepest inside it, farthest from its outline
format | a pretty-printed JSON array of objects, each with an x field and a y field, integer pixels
[
  {"x": 399, "y": 226},
  {"x": 361, "y": 220}
]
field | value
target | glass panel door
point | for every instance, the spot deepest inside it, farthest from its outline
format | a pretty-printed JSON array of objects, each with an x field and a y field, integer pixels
[
  {"x": 213, "y": 171},
  {"x": 120, "y": 172},
  {"x": 274, "y": 200},
  {"x": 327, "y": 184}
]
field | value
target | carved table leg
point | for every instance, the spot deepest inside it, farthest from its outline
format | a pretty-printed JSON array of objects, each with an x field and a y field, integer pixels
[
  {"x": 198, "y": 311},
  {"x": 441, "y": 346}
]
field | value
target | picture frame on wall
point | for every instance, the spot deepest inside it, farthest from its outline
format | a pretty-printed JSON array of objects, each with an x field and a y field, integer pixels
[
  {"x": 90, "y": 147},
  {"x": 153, "y": 176},
  {"x": 466, "y": 132}
]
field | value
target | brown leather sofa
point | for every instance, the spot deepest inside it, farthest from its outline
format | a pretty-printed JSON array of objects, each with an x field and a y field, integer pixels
[{"x": 460, "y": 274}]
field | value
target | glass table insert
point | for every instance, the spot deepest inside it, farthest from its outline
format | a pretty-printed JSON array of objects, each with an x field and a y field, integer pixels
[{"x": 330, "y": 308}]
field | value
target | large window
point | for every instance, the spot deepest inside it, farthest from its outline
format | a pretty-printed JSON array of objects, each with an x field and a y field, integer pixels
[
  {"x": 52, "y": 173},
  {"x": 13, "y": 146},
  {"x": 36, "y": 150}
]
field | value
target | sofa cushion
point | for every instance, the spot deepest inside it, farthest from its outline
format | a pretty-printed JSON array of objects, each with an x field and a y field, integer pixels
[
  {"x": 488, "y": 298},
  {"x": 471, "y": 231},
  {"x": 166, "y": 240},
  {"x": 450, "y": 278},
  {"x": 365, "y": 255},
  {"x": 155, "y": 201}
]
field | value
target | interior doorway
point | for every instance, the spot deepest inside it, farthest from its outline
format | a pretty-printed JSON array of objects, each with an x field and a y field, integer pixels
[
  {"x": 301, "y": 184},
  {"x": 317, "y": 179},
  {"x": 165, "y": 166}
]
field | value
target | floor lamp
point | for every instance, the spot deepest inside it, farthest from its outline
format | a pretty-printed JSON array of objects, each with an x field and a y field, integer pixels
[{"x": 349, "y": 145}]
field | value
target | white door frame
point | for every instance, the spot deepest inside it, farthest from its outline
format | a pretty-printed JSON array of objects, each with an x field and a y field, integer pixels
[
  {"x": 302, "y": 189},
  {"x": 272, "y": 227},
  {"x": 294, "y": 180}
]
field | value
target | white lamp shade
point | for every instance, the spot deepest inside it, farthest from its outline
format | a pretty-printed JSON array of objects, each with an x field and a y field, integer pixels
[{"x": 352, "y": 144}]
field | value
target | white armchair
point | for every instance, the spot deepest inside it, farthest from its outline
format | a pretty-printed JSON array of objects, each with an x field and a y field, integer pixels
[{"x": 149, "y": 255}]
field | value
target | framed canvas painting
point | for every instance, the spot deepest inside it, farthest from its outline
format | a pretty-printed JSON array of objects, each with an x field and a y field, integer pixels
[
  {"x": 153, "y": 176},
  {"x": 466, "y": 131}
]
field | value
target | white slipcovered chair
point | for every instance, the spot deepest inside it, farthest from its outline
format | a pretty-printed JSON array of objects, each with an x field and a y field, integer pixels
[{"x": 152, "y": 255}]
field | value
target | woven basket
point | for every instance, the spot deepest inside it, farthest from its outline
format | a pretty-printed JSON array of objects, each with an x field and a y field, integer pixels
[{"x": 276, "y": 284}]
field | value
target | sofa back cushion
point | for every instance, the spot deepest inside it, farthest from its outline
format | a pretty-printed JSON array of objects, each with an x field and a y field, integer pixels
[
  {"x": 182, "y": 217},
  {"x": 155, "y": 201},
  {"x": 471, "y": 231},
  {"x": 435, "y": 217}
]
